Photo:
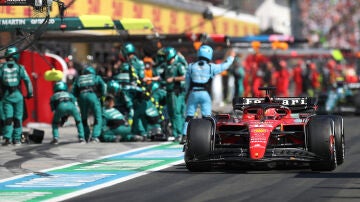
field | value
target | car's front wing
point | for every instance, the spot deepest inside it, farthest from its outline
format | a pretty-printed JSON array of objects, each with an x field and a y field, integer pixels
[{"x": 239, "y": 155}]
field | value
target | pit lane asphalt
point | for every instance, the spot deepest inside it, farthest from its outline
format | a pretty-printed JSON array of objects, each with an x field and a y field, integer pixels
[
  {"x": 299, "y": 185},
  {"x": 32, "y": 158}
]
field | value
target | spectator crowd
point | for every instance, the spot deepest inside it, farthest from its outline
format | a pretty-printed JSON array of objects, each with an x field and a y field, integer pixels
[{"x": 333, "y": 24}]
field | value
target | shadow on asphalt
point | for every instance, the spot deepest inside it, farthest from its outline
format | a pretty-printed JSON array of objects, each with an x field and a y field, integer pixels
[{"x": 311, "y": 174}]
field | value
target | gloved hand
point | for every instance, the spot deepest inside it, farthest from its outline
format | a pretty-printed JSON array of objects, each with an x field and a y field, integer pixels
[
  {"x": 130, "y": 121},
  {"x": 29, "y": 96}
]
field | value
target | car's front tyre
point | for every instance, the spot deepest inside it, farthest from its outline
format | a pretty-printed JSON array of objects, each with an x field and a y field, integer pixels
[
  {"x": 198, "y": 145},
  {"x": 321, "y": 140}
]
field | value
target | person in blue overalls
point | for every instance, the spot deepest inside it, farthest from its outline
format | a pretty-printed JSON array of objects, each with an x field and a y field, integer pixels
[{"x": 197, "y": 83}]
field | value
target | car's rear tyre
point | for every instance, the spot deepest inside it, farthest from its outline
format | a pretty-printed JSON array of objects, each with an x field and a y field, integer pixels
[
  {"x": 198, "y": 145},
  {"x": 322, "y": 143},
  {"x": 356, "y": 101},
  {"x": 339, "y": 138}
]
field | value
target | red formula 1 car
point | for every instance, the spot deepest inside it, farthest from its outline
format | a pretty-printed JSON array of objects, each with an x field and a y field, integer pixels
[{"x": 267, "y": 131}]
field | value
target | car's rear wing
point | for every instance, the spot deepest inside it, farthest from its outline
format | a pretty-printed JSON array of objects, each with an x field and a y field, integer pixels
[
  {"x": 296, "y": 104},
  {"x": 353, "y": 86}
]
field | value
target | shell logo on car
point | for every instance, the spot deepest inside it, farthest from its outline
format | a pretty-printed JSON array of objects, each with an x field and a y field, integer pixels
[{"x": 259, "y": 130}]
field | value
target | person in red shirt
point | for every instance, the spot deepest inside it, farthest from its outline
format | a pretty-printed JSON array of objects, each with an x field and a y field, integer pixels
[
  {"x": 257, "y": 81},
  {"x": 252, "y": 64},
  {"x": 269, "y": 74},
  {"x": 298, "y": 78},
  {"x": 314, "y": 76},
  {"x": 247, "y": 81},
  {"x": 333, "y": 73},
  {"x": 282, "y": 79}
]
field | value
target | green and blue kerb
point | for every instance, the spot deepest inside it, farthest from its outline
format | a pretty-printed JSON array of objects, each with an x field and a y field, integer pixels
[{"x": 76, "y": 179}]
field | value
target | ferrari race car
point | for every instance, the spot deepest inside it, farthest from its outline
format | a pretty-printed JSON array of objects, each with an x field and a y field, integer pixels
[{"x": 266, "y": 132}]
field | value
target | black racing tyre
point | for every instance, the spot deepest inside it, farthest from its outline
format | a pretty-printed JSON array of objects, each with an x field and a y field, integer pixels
[
  {"x": 339, "y": 138},
  {"x": 356, "y": 101},
  {"x": 198, "y": 145},
  {"x": 321, "y": 142}
]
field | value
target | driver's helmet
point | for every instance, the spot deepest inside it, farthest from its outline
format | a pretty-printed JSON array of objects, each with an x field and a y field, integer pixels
[
  {"x": 259, "y": 114},
  {"x": 271, "y": 113},
  {"x": 340, "y": 84}
]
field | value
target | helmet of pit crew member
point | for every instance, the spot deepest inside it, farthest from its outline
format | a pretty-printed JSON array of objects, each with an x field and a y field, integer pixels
[
  {"x": 89, "y": 70},
  {"x": 113, "y": 87},
  {"x": 170, "y": 53},
  {"x": 12, "y": 52},
  {"x": 128, "y": 48},
  {"x": 125, "y": 66},
  {"x": 160, "y": 56},
  {"x": 155, "y": 86},
  {"x": 60, "y": 86},
  {"x": 205, "y": 51}
]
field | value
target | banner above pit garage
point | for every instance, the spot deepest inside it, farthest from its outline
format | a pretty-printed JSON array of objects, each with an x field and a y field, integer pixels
[
  {"x": 166, "y": 20},
  {"x": 83, "y": 22}
]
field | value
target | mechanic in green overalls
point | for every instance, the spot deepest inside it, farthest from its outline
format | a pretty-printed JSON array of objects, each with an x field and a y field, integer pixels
[
  {"x": 129, "y": 53},
  {"x": 63, "y": 104},
  {"x": 148, "y": 113},
  {"x": 115, "y": 126},
  {"x": 11, "y": 75},
  {"x": 175, "y": 88},
  {"x": 137, "y": 75},
  {"x": 124, "y": 76},
  {"x": 123, "y": 102},
  {"x": 238, "y": 72},
  {"x": 179, "y": 58},
  {"x": 159, "y": 96},
  {"x": 85, "y": 88},
  {"x": 160, "y": 66},
  {"x": 2, "y": 118},
  {"x": 121, "y": 84}
]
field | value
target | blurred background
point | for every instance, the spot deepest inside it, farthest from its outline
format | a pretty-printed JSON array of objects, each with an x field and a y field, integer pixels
[{"x": 324, "y": 23}]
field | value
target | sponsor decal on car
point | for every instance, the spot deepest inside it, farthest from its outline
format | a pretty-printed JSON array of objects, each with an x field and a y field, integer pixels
[{"x": 259, "y": 130}]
